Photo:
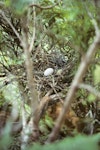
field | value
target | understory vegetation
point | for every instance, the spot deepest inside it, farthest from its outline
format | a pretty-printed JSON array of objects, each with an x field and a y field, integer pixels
[{"x": 49, "y": 74}]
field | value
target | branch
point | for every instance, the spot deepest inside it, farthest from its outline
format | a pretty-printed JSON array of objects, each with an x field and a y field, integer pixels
[
  {"x": 11, "y": 25},
  {"x": 48, "y": 7},
  {"x": 76, "y": 81},
  {"x": 30, "y": 79},
  {"x": 33, "y": 37},
  {"x": 90, "y": 89},
  {"x": 42, "y": 106}
]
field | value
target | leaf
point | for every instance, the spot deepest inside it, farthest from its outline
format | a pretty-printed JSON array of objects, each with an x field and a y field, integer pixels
[
  {"x": 43, "y": 128},
  {"x": 6, "y": 139},
  {"x": 79, "y": 142},
  {"x": 91, "y": 98},
  {"x": 49, "y": 121}
]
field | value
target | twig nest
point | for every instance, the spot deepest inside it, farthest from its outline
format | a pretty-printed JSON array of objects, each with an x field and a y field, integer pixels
[
  {"x": 59, "y": 72},
  {"x": 48, "y": 71}
]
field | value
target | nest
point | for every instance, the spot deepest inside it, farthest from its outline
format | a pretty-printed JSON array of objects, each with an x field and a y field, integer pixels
[{"x": 63, "y": 71}]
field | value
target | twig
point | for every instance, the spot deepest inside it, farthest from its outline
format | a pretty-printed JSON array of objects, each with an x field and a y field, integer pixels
[
  {"x": 33, "y": 37},
  {"x": 48, "y": 7},
  {"x": 90, "y": 89},
  {"x": 76, "y": 81},
  {"x": 11, "y": 25},
  {"x": 53, "y": 87},
  {"x": 25, "y": 130},
  {"x": 8, "y": 69},
  {"x": 41, "y": 7},
  {"x": 30, "y": 79},
  {"x": 93, "y": 22}
]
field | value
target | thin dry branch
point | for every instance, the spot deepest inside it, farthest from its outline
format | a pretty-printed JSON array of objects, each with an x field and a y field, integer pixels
[
  {"x": 76, "y": 81},
  {"x": 41, "y": 7},
  {"x": 33, "y": 37},
  {"x": 11, "y": 25},
  {"x": 48, "y": 7},
  {"x": 29, "y": 66},
  {"x": 30, "y": 79}
]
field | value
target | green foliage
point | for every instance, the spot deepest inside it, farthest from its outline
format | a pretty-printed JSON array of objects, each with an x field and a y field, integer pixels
[
  {"x": 46, "y": 123},
  {"x": 11, "y": 92},
  {"x": 49, "y": 121},
  {"x": 70, "y": 20},
  {"x": 19, "y": 6},
  {"x": 79, "y": 142},
  {"x": 91, "y": 98},
  {"x": 97, "y": 74},
  {"x": 6, "y": 139},
  {"x": 66, "y": 22}
]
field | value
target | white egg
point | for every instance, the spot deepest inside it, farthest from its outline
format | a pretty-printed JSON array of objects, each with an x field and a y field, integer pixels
[{"x": 48, "y": 71}]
